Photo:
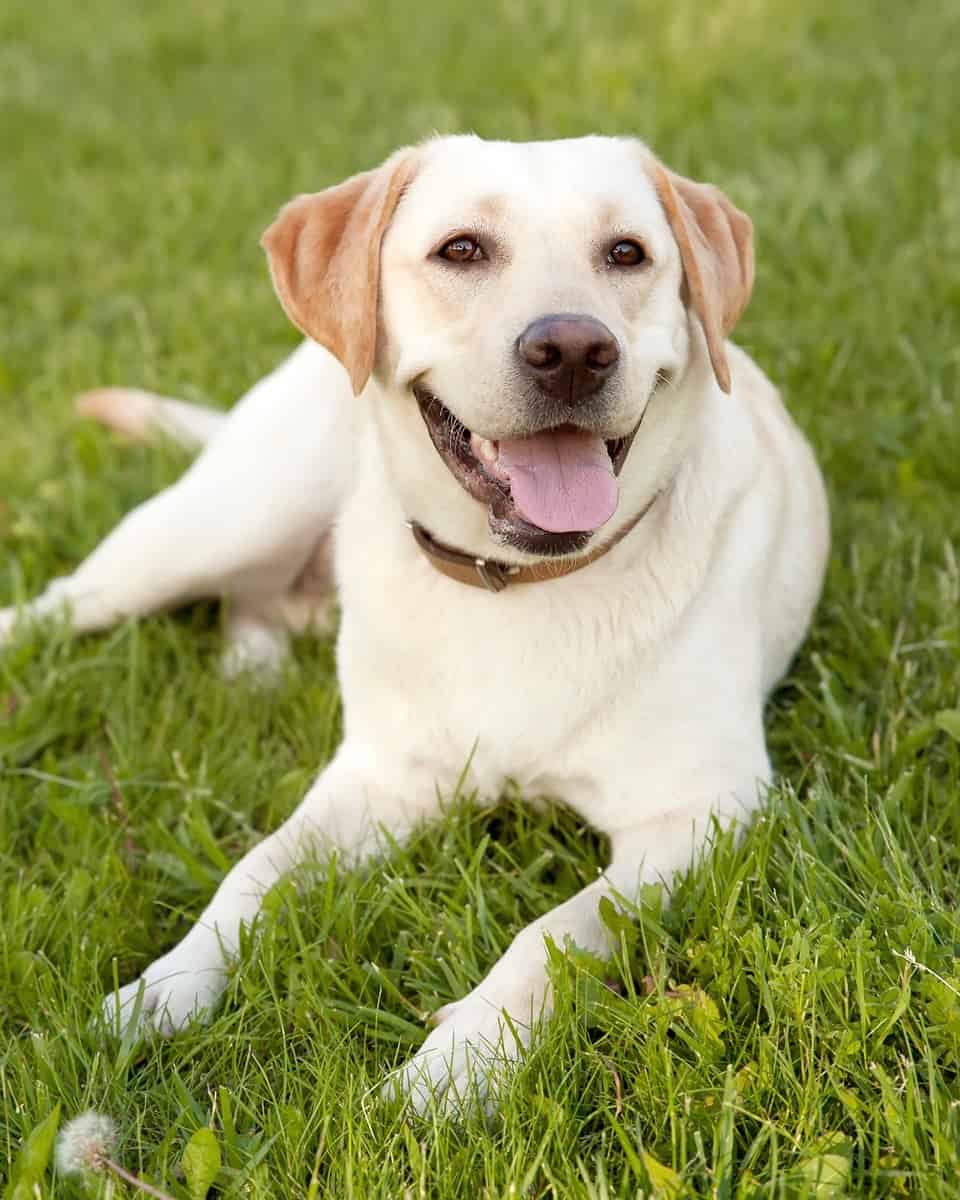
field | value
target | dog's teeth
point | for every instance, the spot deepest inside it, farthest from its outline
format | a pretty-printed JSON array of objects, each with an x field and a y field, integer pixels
[{"x": 485, "y": 449}]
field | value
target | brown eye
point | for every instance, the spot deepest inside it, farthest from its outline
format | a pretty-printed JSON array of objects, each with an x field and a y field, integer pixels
[
  {"x": 626, "y": 254},
  {"x": 461, "y": 250}
]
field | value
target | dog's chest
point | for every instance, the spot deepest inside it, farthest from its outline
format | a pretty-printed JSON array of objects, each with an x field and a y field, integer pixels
[{"x": 514, "y": 684}]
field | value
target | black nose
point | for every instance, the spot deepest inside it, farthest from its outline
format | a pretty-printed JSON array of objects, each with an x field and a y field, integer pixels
[{"x": 568, "y": 356}]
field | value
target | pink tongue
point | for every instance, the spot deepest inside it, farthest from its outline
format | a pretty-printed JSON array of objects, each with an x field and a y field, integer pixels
[{"x": 562, "y": 481}]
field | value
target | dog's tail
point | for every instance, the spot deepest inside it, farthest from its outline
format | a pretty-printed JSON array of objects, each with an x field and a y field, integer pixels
[{"x": 146, "y": 417}]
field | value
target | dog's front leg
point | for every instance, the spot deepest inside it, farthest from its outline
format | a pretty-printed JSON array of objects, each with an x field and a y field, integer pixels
[
  {"x": 353, "y": 803},
  {"x": 477, "y": 1039}
]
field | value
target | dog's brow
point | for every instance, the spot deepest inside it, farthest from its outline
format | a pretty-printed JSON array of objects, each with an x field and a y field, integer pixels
[
  {"x": 492, "y": 206},
  {"x": 608, "y": 216}
]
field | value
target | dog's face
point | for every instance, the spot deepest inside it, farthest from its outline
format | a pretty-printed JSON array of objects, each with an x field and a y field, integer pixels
[
  {"x": 530, "y": 302},
  {"x": 521, "y": 303}
]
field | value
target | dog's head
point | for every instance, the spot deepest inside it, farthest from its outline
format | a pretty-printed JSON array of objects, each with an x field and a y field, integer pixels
[{"x": 518, "y": 304}]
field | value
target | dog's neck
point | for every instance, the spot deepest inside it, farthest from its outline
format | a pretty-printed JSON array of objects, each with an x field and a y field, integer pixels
[{"x": 495, "y": 575}]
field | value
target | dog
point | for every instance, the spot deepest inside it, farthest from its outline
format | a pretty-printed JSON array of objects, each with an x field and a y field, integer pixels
[{"x": 575, "y": 537}]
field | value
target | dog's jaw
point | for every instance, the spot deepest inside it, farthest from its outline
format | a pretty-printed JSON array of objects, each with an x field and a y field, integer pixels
[{"x": 475, "y": 463}]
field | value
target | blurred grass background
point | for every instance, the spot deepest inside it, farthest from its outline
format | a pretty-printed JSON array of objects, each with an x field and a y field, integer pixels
[{"x": 144, "y": 148}]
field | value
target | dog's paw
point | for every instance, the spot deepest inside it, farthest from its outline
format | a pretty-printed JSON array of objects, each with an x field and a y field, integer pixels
[
  {"x": 474, "y": 1046},
  {"x": 173, "y": 992},
  {"x": 255, "y": 651}
]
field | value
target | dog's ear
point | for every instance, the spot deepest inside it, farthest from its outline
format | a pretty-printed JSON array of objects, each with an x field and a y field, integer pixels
[
  {"x": 716, "y": 248},
  {"x": 324, "y": 255}
]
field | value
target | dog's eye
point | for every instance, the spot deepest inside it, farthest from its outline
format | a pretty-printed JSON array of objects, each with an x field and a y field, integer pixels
[
  {"x": 626, "y": 254},
  {"x": 461, "y": 249}
]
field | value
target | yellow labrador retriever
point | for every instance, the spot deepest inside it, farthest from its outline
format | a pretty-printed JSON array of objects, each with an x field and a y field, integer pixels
[{"x": 575, "y": 536}]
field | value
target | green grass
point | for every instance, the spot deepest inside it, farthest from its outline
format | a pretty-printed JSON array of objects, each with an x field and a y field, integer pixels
[{"x": 805, "y": 1013}]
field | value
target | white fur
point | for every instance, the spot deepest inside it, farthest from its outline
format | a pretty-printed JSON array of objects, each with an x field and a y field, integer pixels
[{"x": 633, "y": 690}]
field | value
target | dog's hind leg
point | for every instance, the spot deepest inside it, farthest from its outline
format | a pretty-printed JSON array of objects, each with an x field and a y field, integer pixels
[
  {"x": 144, "y": 564},
  {"x": 242, "y": 522},
  {"x": 145, "y": 416}
]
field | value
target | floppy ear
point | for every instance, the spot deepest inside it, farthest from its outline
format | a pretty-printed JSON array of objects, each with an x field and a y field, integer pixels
[
  {"x": 716, "y": 248},
  {"x": 324, "y": 255}
]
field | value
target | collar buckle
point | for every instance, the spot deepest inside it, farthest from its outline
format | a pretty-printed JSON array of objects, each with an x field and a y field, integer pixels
[{"x": 491, "y": 574}]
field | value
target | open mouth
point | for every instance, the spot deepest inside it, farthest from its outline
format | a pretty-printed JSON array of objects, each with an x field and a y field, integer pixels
[{"x": 547, "y": 493}]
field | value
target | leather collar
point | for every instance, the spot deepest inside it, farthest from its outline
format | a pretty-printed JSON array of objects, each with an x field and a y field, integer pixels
[{"x": 495, "y": 576}]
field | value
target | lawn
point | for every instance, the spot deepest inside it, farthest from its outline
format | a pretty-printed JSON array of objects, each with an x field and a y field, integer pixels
[{"x": 790, "y": 1027}]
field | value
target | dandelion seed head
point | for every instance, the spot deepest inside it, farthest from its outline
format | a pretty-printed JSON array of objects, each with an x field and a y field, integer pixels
[{"x": 85, "y": 1142}]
